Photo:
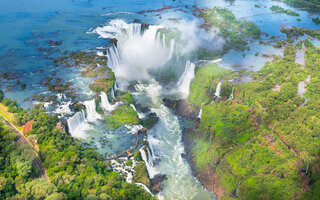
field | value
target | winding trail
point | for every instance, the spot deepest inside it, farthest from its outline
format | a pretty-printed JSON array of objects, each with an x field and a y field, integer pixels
[{"x": 21, "y": 139}]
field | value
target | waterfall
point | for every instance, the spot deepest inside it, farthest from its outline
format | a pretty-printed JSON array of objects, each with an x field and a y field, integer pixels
[
  {"x": 200, "y": 112},
  {"x": 105, "y": 103},
  {"x": 75, "y": 122},
  {"x": 231, "y": 94},
  {"x": 113, "y": 57},
  {"x": 113, "y": 94},
  {"x": 172, "y": 43},
  {"x": 136, "y": 51},
  {"x": 145, "y": 188},
  {"x": 237, "y": 189},
  {"x": 115, "y": 86},
  {"x": 148, "y": 163},
  {"x": 135, "y": 55},
  {"x": 164, "y": 40},
  {"x": 92, "y": 114},
  {"x": 218, "y": 89},
  {"x": 141, "y": 115},
  {"x": 183, "y": 84}
]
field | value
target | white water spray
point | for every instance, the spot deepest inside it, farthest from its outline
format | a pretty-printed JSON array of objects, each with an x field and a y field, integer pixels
[
  {"x": 77, "y": 124},
  {"x": 200, "y": 112},
  {"x": 183, "y": 84},
  {"x": 148, "y": 163},
  {"x": 92, "y": 114},
  {"x": 113, "y": 94},
  {"x": 105, "y": 104},
  {"x": 218, "y": 89},
  {"x": 231, "y": 94},
  {"x": 147, "y": 48},
  {"x": 134, "y": 56}
]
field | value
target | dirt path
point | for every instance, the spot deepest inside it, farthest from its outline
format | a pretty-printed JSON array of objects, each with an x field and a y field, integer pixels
[{"x": 22, "y": 140}]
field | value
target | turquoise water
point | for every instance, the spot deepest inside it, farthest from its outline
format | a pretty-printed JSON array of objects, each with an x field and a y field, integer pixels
[{"x": 27, "y": 27}]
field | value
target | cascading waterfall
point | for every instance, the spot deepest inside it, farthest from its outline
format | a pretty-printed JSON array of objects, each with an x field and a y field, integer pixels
[
  {"x": 231, "y": 94},
  {"x": 148, "y": 49},
  {"x": 171, "y": 51},
  {"x": 75, "y": 122},
  {"x": 200, "y": 112},
  {"x": 113, "y": 57},
  {"x": 105, "y": 104},
  {"x": 183, "y": 84},
  {"x": 78, "y": 123},
  {"x": 141, "y": 115},
  {"x": 135, "y": 54},
  {"x": 145, "y": 188},
  {"x": 150, "y": 169},
  {"x": 92, "y": 114},
  {"x": 113, "y": 96},
  {"x": 218, "y": 89}
]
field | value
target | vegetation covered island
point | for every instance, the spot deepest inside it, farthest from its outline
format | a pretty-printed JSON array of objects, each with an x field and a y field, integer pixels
[{"x": 164, "y": 100}]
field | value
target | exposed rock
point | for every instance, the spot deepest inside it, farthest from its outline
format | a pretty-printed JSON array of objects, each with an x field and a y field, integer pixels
[
  {"x": 144, "y": 26},
  {"x": 142, "y": 109},
  {"x": 131, "y": 87},
  {"x": 156, "y": 182},
  {"x": 143, "y": 130},
  {"x": 150, "y": 120},
  {"x": 113, "y": 41},
  {"x": 182, "y": 108}
]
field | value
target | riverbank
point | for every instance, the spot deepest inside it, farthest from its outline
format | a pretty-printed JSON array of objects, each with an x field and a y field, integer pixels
[
  {"x": 252, "y": 144},
  {"x": 207, "y": 178}
]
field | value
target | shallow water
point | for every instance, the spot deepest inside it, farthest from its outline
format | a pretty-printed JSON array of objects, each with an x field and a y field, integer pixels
[{"x": 29, "y": 25}]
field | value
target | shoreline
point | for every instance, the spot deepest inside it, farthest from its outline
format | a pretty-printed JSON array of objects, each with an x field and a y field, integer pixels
[{"x": 208, "y": 178}]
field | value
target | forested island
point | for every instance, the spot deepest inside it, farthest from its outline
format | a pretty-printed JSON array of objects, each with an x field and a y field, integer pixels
[{"x": 160, "y": 100}]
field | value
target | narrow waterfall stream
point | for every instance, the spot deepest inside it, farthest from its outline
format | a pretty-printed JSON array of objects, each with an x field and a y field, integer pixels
[{"x": 131, "y": 59}]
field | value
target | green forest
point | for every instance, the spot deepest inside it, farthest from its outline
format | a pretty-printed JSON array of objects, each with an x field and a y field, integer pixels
[
  {"x": 265, "y": 142},
  {"x": 75, "y": 172}
]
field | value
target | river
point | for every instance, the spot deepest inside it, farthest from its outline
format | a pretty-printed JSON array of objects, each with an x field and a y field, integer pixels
[{"x": 140, "y": 56}]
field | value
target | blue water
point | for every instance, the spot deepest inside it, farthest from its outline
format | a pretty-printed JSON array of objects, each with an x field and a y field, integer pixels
[{"x": 28, "y": 25}]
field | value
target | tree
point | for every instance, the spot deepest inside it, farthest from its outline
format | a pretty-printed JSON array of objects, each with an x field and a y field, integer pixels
[
  {"x": 57, "y": 196},
  {"x": 24, "y": 168},
  {"x": 38, "y": 189}
]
